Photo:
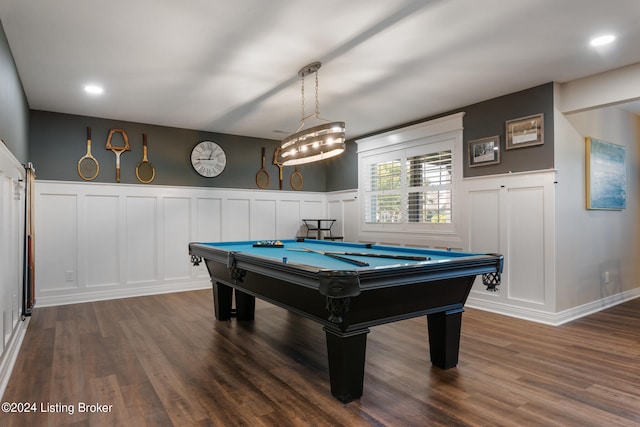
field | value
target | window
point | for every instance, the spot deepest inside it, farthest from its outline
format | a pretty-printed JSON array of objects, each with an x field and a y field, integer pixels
[
  {"x": 429, "y": 179},
  {"x": 384, "y": 203},
  {"x": 408, "y": 178},
  {"x": 413, "y": 189}
]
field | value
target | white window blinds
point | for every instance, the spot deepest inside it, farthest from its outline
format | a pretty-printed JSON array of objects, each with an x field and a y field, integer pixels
[
  {"x": 384, "y": 202},
  {"x": 409, "y": 189},
  {"x": 429, "y": 192}
]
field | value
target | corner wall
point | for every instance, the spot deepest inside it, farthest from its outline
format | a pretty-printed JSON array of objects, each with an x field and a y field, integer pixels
[
  {"x": 598, "y": 253},
  {"x": 14, "y": 117}
]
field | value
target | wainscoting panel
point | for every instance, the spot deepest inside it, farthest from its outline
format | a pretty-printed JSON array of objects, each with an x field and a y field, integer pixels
[
  {"x": 12, "y": 227},
  {"x": 58, "y": 270},
  {"x": 484, "y": 220},
  {"x": 350, "y": 224},
  {"x": 335, "y": 211},
  {"x": 11, "y": 259},
  {"x": 176, "y": 232},
  {"x": 343, "y": 206},
  {"x": 209, "y": 219},
  {"x": 237, "y": 220},
  {"x": 288, "y": 219},
  {"x": 263, "y": 219},
  {"x": 526, "y": 244},
  {"x": 101, "y": 241},
  {"x": 141, "y": 239}
]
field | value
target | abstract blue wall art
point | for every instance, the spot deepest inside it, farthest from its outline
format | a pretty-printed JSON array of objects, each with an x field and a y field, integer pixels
[{"x": 606, "y": 175}]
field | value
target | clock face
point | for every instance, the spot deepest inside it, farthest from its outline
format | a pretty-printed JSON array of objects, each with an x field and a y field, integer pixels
[{"x": 208, "y": 159}]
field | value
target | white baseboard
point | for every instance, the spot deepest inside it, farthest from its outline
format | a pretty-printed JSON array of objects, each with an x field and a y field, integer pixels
[
  {"x": 574, "y": 313},
  {"x": 10, "y": 355},
  {"x": 554, "y": 319},
  {"x": 93, "y": 295}
]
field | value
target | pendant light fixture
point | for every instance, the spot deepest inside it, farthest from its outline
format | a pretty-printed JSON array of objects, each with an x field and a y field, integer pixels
[{"x": 314, "y": 143}]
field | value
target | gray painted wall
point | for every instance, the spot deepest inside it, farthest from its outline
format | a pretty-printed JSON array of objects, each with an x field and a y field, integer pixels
[
  {"x": 14, "y": 109},
  {"x": 342, "y": 171},
  {"x": 57, "y": 141},
  {"x": 488, "y": 118},
  {"x": 484, "y": 119}
]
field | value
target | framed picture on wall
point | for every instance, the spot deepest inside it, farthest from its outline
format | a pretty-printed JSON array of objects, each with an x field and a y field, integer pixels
[
  {"x": 605, "y": 175},
  {"x": 484, "y": 151},
  {"x": 525, "y": 132}
]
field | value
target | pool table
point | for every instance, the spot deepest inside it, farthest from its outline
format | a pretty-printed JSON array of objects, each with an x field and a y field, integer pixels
[{"x": 329, "y": 283}]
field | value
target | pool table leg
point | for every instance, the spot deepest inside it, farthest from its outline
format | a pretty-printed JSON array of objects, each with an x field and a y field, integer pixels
[
  {"x": 444, "y": 337},
  {"x": 223, "y": 300},
  {"x": 346, "y": 354},
  {"x": 245, "y": 306}
]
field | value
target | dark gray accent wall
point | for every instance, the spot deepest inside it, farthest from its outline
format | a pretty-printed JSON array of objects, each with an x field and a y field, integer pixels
[
  {"x": 57, "y": 141},
  {"x": 488, "y": 118},
  {"x": 484, "y": 119},
  {"x": 14, "y": 108},
  {"x": 342, "y": 171}
]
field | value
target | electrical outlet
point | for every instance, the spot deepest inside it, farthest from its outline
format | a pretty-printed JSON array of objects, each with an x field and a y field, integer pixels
[
  {"x": 69, "y": 276},
  {"x": 606, "y": 277}
]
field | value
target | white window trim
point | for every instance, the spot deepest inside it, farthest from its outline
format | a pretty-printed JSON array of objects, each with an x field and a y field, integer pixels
[{"x": 444, "y": 132}]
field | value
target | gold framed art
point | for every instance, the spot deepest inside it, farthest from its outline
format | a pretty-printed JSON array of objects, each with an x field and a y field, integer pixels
[{"x": 525, "y": 132}]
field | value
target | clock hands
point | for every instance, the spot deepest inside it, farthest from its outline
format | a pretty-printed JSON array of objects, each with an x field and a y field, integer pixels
[{"x": 207, "y": 158}]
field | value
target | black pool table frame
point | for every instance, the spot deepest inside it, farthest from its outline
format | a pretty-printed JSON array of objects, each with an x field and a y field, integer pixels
[{"x": 348, "y": 302}]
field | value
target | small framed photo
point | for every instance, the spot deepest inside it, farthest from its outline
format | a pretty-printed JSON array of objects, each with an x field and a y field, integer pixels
[
  {"x": 485, "y": 151},
  {"x": 525, "y": 132}
]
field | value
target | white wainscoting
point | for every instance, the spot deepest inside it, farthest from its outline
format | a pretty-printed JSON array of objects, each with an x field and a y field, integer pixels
[
  {"x": 514, "y": 215},
  {"x": 343, "y": 207},
  {"x": 11, "y": 261},
  {"x": 102, "y": 241}
]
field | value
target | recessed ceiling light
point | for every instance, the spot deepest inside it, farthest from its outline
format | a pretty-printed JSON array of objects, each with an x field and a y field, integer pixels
[
  {"x": 93, "y": 89},
  {"x": 602, "y": 40}
]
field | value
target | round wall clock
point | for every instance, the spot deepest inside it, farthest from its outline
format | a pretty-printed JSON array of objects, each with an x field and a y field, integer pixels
[{"x": 208, "y": 159}]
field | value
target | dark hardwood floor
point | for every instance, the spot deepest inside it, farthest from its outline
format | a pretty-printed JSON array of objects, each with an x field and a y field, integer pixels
[{"x": 164, "y": 361}]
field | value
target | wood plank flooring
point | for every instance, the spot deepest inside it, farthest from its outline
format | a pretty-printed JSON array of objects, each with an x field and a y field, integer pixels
[{"x": 164, "y": 361}]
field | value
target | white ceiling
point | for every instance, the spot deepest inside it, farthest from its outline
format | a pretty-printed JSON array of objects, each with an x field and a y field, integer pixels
[{"x": 231, "y": 66}]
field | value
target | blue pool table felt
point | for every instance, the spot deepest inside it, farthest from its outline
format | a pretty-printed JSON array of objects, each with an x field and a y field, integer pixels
[{"x": 291, "y": 251}]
